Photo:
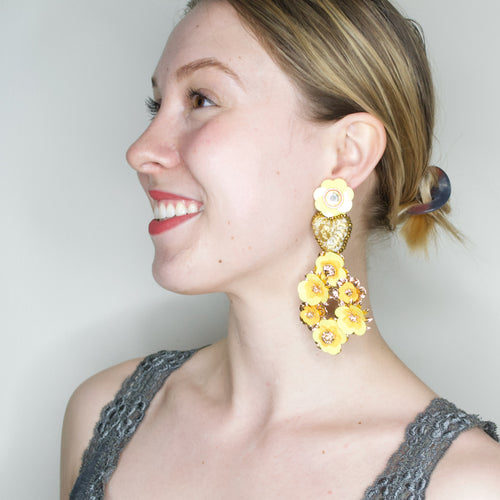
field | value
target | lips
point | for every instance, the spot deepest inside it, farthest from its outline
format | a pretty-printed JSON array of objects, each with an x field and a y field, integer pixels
[{"x": 171, "y": 210}]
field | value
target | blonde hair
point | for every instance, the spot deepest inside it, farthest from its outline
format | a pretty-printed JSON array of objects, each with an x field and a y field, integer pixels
[{"x": 347, "y": 56}]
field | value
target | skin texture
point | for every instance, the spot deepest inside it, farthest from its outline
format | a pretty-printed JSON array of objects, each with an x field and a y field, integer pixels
[{"x": 263, "y": 413}]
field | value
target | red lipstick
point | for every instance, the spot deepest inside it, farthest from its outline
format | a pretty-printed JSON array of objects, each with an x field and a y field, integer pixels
[
  {"x": 160, "y": 226},
  {"x": 157, "y": 225},
  {"x": 161, "y": 195}
]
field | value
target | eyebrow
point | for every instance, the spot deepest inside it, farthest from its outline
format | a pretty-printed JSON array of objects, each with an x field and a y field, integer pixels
[{"x": 208, "y": 62}]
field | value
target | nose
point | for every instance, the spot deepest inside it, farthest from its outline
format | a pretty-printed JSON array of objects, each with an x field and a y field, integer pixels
[{"x": 154, "y": 150}]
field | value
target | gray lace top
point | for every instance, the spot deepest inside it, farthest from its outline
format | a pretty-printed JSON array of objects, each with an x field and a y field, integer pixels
[{"x": 405, "y": 477}]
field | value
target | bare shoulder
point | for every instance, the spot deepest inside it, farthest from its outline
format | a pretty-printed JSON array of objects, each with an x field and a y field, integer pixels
[
  {"x": 469, "y": 470},
  {"x": 82, "y": 413}
]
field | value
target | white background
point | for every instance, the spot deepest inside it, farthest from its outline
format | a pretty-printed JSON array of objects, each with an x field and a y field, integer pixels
[{"x": 76, "y": 288}]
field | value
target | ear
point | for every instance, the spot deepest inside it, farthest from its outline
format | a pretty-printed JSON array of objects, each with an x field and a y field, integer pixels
[{"x": 360, "y": 141}]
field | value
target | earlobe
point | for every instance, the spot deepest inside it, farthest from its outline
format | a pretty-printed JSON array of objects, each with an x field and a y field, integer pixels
[{"x": 361, "y": 144}]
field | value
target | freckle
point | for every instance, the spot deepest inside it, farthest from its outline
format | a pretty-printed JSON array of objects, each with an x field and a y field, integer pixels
[
  {"x": 203, "y": 462},
  {"x": 249, "y": 248},
  {"x": 220, "y": 261},
  {"x": 232, "y": 237},
  {"x": 359, "y": 423},
  {"x": 278, "y": 172},
  {"x": 228, "y": 222},
  {"x": 323, "y": 452}
]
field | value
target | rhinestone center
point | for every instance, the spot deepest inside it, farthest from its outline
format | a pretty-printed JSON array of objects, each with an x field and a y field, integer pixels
[
  {"x": 329, "y": 270},
  {"x": 333, "y": 198},
  {"x": 327, "y": 337}
]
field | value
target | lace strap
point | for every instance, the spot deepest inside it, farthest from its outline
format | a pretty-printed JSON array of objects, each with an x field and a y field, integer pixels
[
  {"x": 408, "y": 471},
  {"x": 119, "y": 420}
]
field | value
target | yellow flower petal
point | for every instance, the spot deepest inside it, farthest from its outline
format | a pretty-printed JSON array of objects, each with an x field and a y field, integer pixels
[
  {"x": 311, "y": 315},
  {"x": 351, "y": 319},
  {"x": 313, "y": 291},
  {"x": 329, "y": 337},
  {"x": 349, "y": 293},
  {"x": 330, "y": 267}
]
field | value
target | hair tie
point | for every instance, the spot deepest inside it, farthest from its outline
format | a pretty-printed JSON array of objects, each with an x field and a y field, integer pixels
[{"x": 440, "y": 195}]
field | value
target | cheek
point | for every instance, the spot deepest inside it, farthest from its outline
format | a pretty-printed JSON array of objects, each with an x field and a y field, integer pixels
[
  {"x": 254, "y": 171},
  {"x": 228, "y": 159}
]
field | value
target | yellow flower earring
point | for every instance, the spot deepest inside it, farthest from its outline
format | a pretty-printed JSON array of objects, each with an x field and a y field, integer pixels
[{"x": 330, "y": 279}]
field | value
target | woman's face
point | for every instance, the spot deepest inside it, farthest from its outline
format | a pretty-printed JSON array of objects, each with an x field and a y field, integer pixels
[{"x": 228, "y": 143}]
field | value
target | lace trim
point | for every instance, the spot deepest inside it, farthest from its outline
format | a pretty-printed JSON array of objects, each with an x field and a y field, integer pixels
[
  {"x": 405, "y": 477},
  {"x": 119, "y": 421},
  {"x": 408, "y": 471}
]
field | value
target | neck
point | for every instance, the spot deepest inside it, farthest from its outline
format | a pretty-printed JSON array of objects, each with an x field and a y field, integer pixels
[{"x": 271, "y": 364}]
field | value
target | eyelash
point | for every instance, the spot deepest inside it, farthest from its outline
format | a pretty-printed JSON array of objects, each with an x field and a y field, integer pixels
[{"x": 153, "y": 106}]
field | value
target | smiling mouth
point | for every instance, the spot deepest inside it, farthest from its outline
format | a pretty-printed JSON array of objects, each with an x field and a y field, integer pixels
[{"x": 164, "y": 209}]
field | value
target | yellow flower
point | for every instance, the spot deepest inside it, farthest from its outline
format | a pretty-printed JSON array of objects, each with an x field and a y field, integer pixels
[
  {"x": 311, "y": 315},
  {"x": 351, "y": 319},
  {"x": 313, "y": 291},
  {"x": 330, "y": 267},
  {"x": 333, "y": 198},
  {"x": 348, "y": 293},
  {"x": 329, "y": 337}
]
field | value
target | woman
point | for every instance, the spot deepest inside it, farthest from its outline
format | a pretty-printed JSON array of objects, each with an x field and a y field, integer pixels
[{"x": 266, "y": 113}]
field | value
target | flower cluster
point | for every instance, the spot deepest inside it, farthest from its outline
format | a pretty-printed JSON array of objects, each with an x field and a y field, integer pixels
[{"x": 331, "y": 280}]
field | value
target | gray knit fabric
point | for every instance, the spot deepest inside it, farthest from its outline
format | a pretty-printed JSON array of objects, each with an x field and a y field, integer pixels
[
  {"x": 120, "y": 419},
  {"x": 405, "y": 478},
  {"x": 427, "y": 438}
]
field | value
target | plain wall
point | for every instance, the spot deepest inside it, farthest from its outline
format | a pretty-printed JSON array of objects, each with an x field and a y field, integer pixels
[{"x": 77, "y": 293}]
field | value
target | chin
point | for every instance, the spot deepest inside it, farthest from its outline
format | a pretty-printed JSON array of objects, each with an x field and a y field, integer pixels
[{"x": 179, "y": 277}]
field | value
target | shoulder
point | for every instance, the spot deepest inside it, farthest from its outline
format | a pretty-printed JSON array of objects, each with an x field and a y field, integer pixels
[
  {"x": 82, "y": 414},
  {"x": 469, "y": 469}
]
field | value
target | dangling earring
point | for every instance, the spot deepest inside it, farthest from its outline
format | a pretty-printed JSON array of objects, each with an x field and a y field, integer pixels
[{"x": 330, "y": 279}]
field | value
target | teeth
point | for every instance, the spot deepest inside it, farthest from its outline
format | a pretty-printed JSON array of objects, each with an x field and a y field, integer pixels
[
  {"x": 162, "y": 211},
  {"x": 167, "y": 211},
  {"x": 180, "y": 208},
  {"x": 192, "y": 208},
  {"x": 170, "y": 211}
]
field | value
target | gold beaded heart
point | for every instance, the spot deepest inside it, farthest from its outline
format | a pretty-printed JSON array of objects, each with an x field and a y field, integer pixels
[{"x": 332, "y": 233}]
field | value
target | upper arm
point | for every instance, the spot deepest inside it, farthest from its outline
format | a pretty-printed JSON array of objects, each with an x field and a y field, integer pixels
[
  {"x": 469, "y": 470},
  {"x": 82, "y": 414}
]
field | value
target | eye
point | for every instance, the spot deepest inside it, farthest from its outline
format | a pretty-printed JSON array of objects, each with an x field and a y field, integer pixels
[
  {"x": 152, "y": 106},
  {"x": 198, "y": 100}
]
